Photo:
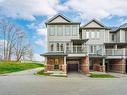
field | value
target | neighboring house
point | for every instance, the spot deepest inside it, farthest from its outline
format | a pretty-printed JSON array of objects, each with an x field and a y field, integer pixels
[{"x": 91, "y": 47}]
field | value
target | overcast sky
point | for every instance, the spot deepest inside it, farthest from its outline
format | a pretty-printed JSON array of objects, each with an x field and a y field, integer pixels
[{"x": 32, "y": 14}]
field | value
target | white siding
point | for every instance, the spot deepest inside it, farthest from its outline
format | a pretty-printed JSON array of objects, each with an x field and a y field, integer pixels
[
  {"x": 67, "y": 33},
  {"x": 93, "y": 24},
  {"x": 122, "y": 36},
  {"x": 59, "y": 20}
]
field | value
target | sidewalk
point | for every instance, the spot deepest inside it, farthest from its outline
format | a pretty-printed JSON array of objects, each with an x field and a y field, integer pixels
[{"x": 119, "y": 75}]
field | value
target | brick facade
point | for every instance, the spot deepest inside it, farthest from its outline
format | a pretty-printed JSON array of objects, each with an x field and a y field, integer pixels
[
  {"x": 85, "y": 65},
  {"x": 51, "y": 62}
]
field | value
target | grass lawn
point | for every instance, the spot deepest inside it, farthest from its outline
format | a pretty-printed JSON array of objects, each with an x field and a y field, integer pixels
[
  {"x": 94, "y": 75},
  {"x": 8, "y": 67}
]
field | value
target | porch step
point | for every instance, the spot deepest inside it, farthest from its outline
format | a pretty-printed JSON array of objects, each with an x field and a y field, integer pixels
[{"x": 58, "y": 74}]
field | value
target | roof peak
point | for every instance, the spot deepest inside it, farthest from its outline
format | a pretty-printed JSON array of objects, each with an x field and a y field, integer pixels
[
  {"x": 97, "y": 21},
  {"x": 55, "y": 16}
]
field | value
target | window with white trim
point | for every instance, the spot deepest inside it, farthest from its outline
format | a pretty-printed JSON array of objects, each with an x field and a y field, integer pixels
[
  {"x": 92, "y": 34},
  {"x": 87, "y": 34},
  {"x": 67, "y": 30},
  {"x": 98, "y": 34},
  {"x": 113, "y": 37},
  {"x": 59, "y": 30},
  {"x": 57, "y": 46},
  {"x": 74, "y": 30},
  {"x": 52, "y": 30},
  {"x": 51, "y": 47},
  {"x": 61, "y": 46}
]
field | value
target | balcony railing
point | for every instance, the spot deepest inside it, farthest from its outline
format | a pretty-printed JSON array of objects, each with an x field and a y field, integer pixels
[
  {"x": 110, "y": 52},
  {"x": 76, "y": 49},
  {"x": 115, "y": 52},
  {"x": 96, "y": 52}
]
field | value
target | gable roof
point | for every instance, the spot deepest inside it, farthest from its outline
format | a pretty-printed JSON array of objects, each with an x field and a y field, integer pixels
[
  {"x": 123, "y": 26},
  {"x": 96, "y": 21},
  {"x": 58, "y": 15},
  {"x": 113, "y": 29},
  {"x": 62, "y": 16}
]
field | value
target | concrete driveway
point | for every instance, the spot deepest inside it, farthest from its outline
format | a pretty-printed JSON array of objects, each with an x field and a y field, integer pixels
[{"x": 25, "y": 83}]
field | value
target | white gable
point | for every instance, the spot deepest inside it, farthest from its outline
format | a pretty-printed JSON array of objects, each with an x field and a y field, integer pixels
[
  {"x": 59, "y": 19},
  {"x": 93, "y": 24}
]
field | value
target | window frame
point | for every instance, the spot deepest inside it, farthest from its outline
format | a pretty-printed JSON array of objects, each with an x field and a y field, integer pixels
[
  {"x": 67, "y": 32},
  {"x": 51, "y": 30},
  {"x": 59, "y": 30},
  {"x": 74, "y": 30}
]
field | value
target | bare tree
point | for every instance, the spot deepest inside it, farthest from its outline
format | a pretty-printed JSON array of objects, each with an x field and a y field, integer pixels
[
  {"x": 15, "y": 41},
  {"x": 9, "y": 36},
  {"x": 21, "y": 47}
]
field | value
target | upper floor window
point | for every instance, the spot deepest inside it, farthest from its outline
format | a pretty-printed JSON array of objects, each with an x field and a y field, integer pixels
[
  {"x": 57, "y": 46},
  {"x": 74, "y": 30},
  {"x": 67, "y": 30},
  {"x": 113, "y": 37},
  {"x": 61, "y": 47},
  {"x": 98, "y": 34},
  {"x": 51, "y": 47},
  {"x": 59, "y": 30},
  {"x": 91, "y": 49},
  {"x": 67, "y": 46},
  {"x": 92, "y": 34},
  {"x": 52, "y": 30},
  {"x": 87, "y": 34}
]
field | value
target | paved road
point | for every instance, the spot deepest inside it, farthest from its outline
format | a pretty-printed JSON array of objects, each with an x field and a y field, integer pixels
[{"x": 25, "y": 83}]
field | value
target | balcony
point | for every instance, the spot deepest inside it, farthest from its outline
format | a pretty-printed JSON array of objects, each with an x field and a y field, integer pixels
[
  {"x": 109, "y": 52},
  {"x": 76, "y": 49},
  {"x": 115, "y": 52}
]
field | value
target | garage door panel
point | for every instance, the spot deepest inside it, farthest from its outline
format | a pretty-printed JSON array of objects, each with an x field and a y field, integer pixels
[{"x": 72, "y": 67}]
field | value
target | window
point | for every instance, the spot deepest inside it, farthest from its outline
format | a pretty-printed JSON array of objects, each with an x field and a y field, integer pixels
[
  {"x": 67, "y": 46},
  {"x": 92, "y": 34},
  {"x": 113, "y": 37},
  {"x": 91, "y": 49},
  {"x": 98, "y": 34},
  {"x": 57, "y": 46},
  {"x": 61, "y": 47},
  {"x": 51, "y": 47},
  {"x": 74, "y": 30},
  {"x": 60, "y": 30},
  {"x": 67, "y": 30},
  {"x": 51, "y": 30},
  {"x": 95, "y": 49},
  {"x": 87, "y": 34}
]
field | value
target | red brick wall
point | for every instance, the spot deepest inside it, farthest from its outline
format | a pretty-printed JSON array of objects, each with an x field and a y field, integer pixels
[
  {"x": 51, "y": 61},
  {"x": 85, "y": 65}
]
